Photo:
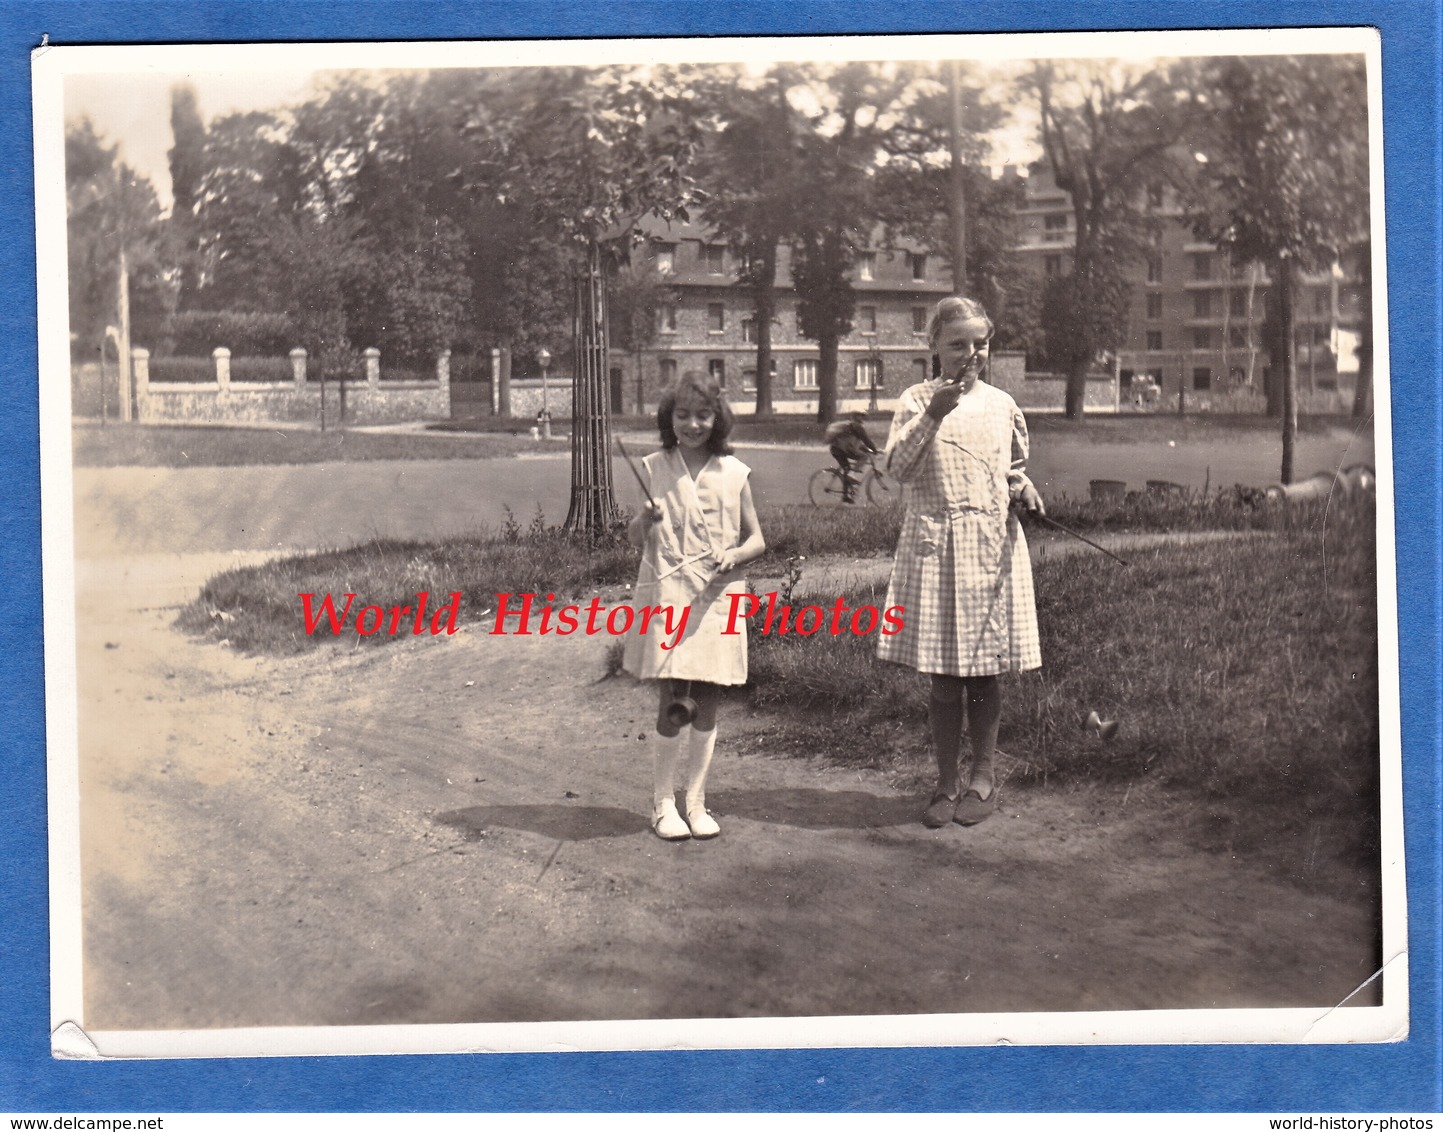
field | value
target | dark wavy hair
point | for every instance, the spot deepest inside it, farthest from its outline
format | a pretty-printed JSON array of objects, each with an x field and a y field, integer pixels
[{"x": 706, "y": 387}]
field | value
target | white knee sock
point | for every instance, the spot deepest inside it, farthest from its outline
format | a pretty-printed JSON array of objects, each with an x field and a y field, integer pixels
[
  {"x": 700, "y": 749},
  {"x": 665, "y": 751}
]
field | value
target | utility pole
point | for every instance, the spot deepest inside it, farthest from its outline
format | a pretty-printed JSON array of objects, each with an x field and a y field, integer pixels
[
  {"x": 123, "y": 345},
  {"x": 957, "y": 204}
]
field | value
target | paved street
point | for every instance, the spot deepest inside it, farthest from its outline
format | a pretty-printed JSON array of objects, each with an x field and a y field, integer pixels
[{"x": 122, "y": 512}]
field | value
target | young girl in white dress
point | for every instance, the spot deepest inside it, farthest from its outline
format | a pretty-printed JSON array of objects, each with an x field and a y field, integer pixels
[
  {"x": 698, "y": 529},
  {"x": 959, "y": 446}
]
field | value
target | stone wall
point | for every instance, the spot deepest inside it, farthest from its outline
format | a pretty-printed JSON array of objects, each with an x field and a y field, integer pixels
[
  {"x": 223, "y": 401},
  {"x": 526, "y": 398}
]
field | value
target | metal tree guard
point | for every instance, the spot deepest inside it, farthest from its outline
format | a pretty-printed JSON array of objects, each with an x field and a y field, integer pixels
[{"x": 593, "y": 502}]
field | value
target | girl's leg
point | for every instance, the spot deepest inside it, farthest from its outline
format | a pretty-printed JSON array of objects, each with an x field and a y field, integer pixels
[
  {"x": 702, "y": 745},
  {"x": 945, "y": 715},
  {"x": 984, "y": 713},
  {"x": 666, "y": 747}
]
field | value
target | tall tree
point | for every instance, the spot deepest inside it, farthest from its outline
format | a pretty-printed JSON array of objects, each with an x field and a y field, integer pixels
[
  {"x": 187, "y": 166},
  {"x": 386, "y": 153},
  {"x": 748, "y": 176},
  {"x": 936, "y": 188},
  {"x": 113, "y": 227},
  {"x": 847, "y": 116},
  {"x": 590, "y": 151},
  {"x": 1108, "y": 130},
  {"x": 1286, "y": 163}
]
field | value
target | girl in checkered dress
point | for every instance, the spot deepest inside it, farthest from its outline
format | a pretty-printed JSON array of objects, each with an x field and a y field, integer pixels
[
  {"x": 959, "y": 447},
  {"x": 698, "y": 527}
]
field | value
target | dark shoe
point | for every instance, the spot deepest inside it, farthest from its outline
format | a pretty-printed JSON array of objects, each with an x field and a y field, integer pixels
[
  {"x": 941, "y": 810},
  {"x": 971, "y": 808}
]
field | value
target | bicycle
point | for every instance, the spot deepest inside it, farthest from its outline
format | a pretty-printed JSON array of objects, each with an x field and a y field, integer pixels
[{"x": 874, "y": 486}]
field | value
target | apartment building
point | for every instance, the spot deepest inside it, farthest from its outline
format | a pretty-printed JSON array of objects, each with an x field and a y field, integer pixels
[
  {"x": 1195, "y": 325},
  {"x": 706, "y": 324}
]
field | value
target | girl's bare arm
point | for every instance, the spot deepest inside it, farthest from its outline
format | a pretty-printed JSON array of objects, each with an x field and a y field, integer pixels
[{"x": 752, "y": 544}]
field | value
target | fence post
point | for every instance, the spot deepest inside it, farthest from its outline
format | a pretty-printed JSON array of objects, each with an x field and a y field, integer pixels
[
  {"x": 298, "y": 367},
  {"x": 373, "y": 367},
  {"x": 501, "y": 375},
  {"x": 222, "y": 368},
  {"x": 140, "y": 368},
  {"x": 140, "y": 374},
  {"x": 443, "y": 369}
]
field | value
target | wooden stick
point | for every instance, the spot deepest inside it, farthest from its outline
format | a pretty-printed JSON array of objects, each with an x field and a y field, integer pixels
[{"x": 639, "y": 481}]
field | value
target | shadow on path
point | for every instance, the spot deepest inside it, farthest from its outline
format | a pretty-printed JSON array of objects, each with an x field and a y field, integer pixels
[
  {"x": 810, "y": 808},
  {"x": 557, "y": 822}
]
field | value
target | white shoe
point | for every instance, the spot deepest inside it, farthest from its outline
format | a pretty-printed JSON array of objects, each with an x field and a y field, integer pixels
[
  {"x": 703, "y": 825},
  {"x": 667, "y": 822}
]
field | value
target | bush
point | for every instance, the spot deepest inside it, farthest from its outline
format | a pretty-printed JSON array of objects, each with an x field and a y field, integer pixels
[
  {"x": 261, "y": 369},
  {"x": 255, "y": 333},
  {"x": 182, "y": 369}
]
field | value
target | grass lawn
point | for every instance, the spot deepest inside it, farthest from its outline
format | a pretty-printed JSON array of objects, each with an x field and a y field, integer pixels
[
  {"x": 181, "y": 446},
  {"x": 1245, "y": 670},
  {"x": 256, "y": 609}
]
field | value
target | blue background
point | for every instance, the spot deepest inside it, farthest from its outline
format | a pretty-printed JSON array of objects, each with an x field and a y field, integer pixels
[{"x": 1398, "y": 1077}]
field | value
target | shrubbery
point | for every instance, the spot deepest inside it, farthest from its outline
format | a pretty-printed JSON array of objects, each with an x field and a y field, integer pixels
[{"x": 254, "y": 333}]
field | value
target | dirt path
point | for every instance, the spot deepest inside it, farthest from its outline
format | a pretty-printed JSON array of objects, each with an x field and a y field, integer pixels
[{"x": 455, "y": 831}]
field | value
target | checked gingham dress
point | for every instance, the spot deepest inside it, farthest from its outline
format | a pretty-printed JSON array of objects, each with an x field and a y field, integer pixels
[{"x": 961, "y": 575}]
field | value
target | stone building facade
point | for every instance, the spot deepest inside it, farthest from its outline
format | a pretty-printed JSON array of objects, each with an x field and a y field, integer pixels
[
  {"x": 706, "y": 324},
  {"x": 1196, "y": 320}
]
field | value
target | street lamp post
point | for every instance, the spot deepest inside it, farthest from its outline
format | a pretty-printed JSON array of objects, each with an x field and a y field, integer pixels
[{"x": 543, "y": 356}]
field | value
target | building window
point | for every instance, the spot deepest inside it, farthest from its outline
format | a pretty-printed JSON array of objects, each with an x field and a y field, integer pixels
[
  {"x": 1154, "y": 269},
  {"x": 804, "y": 373},
  {"x": 1202, "y": 338},
  {"x": 1052, "y": 265},
  {"x": 666, "y": 318},
  {"x": 919, "y": 320},
  {"x": 867, "y": 320},
  {"x": 1238, "y": 304},
  {"x": 1202, "y": 265},
  {"x": 1202, "y": 377},
  {"x": 1322, "y": 303},
  {"x": 1054, "y": 226},
  {"x": 799, "y": 320},
  {"x": 717, "y": 369},
  {"x": 1154, "y": 339},
  {"x": 869, "y": 373},
  {"x": 749, "y": 330},
  {"x": 919, "y": 265},
  {"x": 1154, "y": 306},
  {"x": 666, "y": 258},
  {"x": 714, "y": 258},
  {"x": 866, "y": 265},
  {"x": 749, "y": 377},
  {"x": 668, "y": 372},
  {"x": 1237, "y": 338},
  {"x": 716, "y": 318},
  {"x": 1202, "y": 304},
  {"x": 921, "y": 370}
]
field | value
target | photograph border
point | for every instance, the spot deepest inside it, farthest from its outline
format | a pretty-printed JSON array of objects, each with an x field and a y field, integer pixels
[{"x": 1398, "y": 1077}]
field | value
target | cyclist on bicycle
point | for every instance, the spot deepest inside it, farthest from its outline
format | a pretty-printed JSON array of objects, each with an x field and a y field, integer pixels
[{"x": 850, "y": 446}]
